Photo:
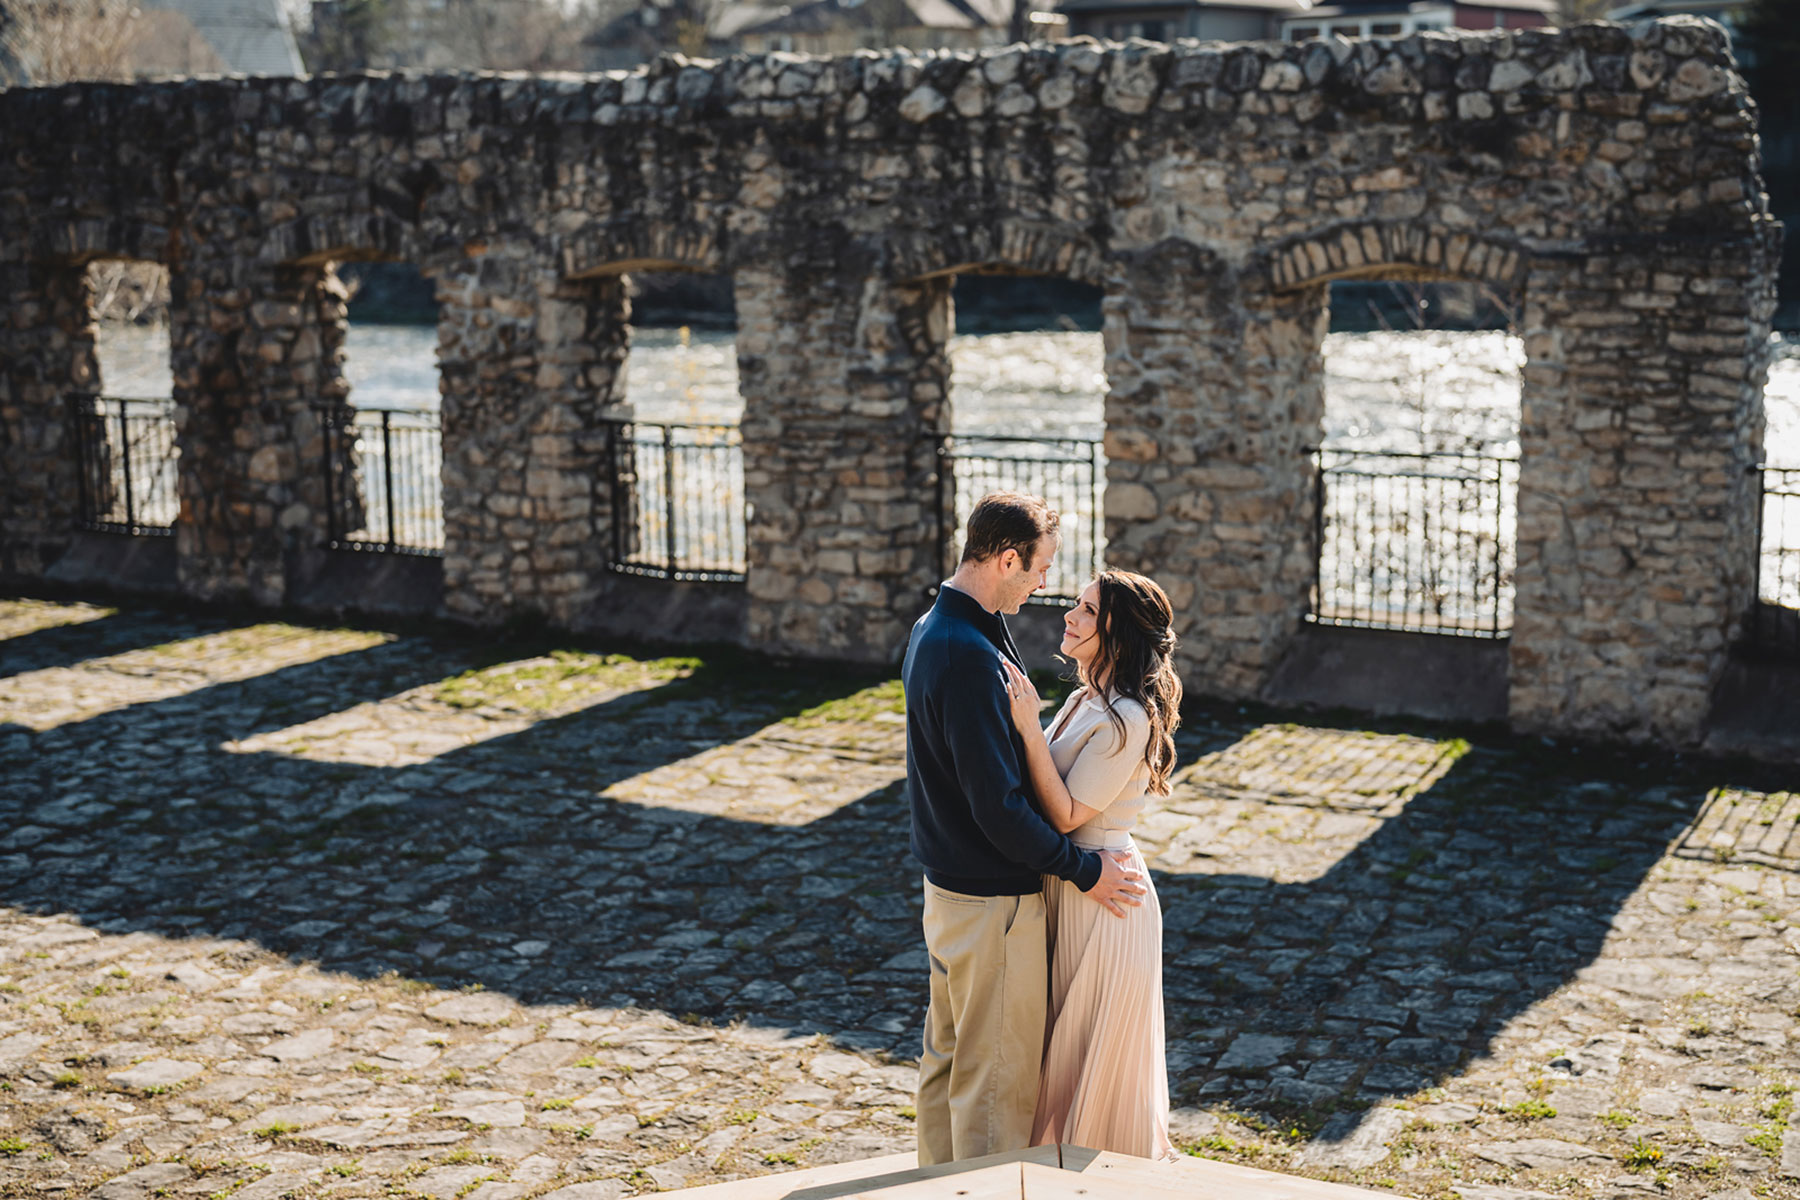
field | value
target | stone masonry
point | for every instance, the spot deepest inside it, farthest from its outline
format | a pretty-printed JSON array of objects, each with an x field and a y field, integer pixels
[
  {"x": 1608, "y": 173},
  {"x": 336, "y": 914}
]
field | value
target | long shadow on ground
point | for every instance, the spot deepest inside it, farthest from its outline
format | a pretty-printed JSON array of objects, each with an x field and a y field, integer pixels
[
  {"x": 499, "y": 864},
  {"x": 82, "y": 641}
]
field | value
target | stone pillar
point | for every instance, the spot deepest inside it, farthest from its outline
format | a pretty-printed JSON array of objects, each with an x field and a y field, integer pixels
[
  {"x": 1641, "y": 419},
  {"x": 845, "y": 380},
  {"x": 531, "y": 363},
  {"x": 1216, "y": 395},
  {"x": 255, "y": 349},
  {"x": 46, "y": 352}
]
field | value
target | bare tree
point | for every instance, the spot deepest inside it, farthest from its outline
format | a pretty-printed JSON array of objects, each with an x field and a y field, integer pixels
[
  {"x": 55, "y": 41},
  {"x": 1571, "y": 11},
  {"x": 510, "y": 35}
]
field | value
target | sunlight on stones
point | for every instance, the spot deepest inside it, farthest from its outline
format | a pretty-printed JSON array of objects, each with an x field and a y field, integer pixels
[
  {"x": 1743, "y": 826},
  {"x": 55, "y": 696},
  {"x": 421, "y": 723},
  {"x": 1328, "y": 768},
  {"x": 1289, "y": 802},
  {"x": 21, "y": 617},
  {"x": 792, "y": 772}
]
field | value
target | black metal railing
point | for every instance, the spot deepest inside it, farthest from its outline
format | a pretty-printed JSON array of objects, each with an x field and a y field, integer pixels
[
  {"x": 1417, "y": 542},
  {"x": 677, "y": 500},
  {"x": 384, "y": 487},
  {"x": 1069, "y": 473},
  {"x": 1774, "y": 623},
  {"x": 125, "y": 454}
]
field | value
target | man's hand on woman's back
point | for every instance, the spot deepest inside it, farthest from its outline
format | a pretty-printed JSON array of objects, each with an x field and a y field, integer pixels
[{"x": 1119, "y": 887}]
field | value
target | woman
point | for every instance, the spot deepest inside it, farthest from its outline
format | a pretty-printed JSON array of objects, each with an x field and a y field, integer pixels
[{"x": 1105, "y": 1084}]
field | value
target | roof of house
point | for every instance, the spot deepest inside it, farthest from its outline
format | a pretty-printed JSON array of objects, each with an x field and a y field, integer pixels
[
  {"x": 252, "y": 37},
  {"x": 729, "y": 20},
  {"x": 1259, "y": 6},
  {"x": 1365, "y": 8},
  {"x": 1716, "y": 9},
  {"x": 820, "y": 16}
]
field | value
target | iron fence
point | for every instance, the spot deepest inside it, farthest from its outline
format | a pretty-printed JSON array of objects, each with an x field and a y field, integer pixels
[
  {"x": 1417, "y": 542},
  {"x": 677, "y": 500},
  {"x": 384, "y": 487},
  {"x": 1774, "y": 624},
  {"x": 125, "y": 455},
  {"x": 1069, "y": 473}
]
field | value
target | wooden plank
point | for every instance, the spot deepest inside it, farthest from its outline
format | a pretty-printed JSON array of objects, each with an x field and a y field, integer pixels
[
  {"x": 788, "y": 1183},
  {"x": 1219, "y": 1180},
  {"x": 948, "y": 1172},
  {"x": 1052, "y": 1183},
  {"x": 1000, "y": 1182},
  {"x": 849, "y": 1178}
]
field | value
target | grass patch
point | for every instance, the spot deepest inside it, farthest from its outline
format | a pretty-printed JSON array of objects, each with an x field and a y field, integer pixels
[
  {"x": 275, "y": 1129},
  {"x": 1215, "y": 1143},
  {"x": 864, "y": 705},
  {"x": 546, "y": 682},
  {"x": 1617, "y": 1119},
  {"x": 13, "y": 1146},
  {"x": 580, "y": 1133},
  {"x": 1529, "y": 1110},
  {"x": 1642, "y": 1156},
  {"x": 557, "y": 1105}
]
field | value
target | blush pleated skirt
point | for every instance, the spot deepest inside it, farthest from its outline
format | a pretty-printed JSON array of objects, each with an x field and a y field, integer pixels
[{"x": 1105, "y": 1082}]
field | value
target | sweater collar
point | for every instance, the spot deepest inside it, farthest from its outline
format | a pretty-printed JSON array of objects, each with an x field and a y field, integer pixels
[{"x": 959, "y": 603}]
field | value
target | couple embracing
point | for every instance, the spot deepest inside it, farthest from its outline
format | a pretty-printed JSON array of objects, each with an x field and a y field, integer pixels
[{"x": 1045, "y": 1022}]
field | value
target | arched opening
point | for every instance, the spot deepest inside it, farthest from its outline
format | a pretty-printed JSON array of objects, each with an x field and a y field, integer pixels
[
  {"x": 1027, "y": 410},
  {"x": 1418, "y": 467},
  {"x": 382, "y": 444},
  {"x": 124, "y": 416},
  {"x": 676, "y": 461},
  {"x": 1774, "y": 625}
]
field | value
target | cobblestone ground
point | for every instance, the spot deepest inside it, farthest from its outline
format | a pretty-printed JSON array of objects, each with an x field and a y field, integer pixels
[{"x": 325, "y": 912}]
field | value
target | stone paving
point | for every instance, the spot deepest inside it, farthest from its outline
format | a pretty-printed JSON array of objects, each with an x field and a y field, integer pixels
[{"x": 327, "y": 912}]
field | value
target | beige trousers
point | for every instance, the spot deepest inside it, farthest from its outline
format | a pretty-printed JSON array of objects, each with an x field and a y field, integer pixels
[{"x": 984, "y": 1030}]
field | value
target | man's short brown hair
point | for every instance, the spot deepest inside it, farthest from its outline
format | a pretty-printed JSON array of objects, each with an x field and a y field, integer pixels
[{"x": 1005, "y": 521}]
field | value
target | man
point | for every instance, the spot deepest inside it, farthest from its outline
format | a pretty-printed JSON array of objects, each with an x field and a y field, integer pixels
[{"x": 984, "y": 844}]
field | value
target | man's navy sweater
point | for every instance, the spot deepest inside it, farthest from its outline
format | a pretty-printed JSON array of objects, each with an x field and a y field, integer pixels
[{"x": 975, "y": 825}]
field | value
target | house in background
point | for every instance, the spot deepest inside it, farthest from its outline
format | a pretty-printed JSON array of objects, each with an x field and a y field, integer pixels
[
  {"x": 1729, "y": 13},
  {"x": 842, "y": 26},
  {"x": 1295, "y": 20},
  {"x": 200, "y": 37},
  {"x": 159, "y": 37},
  {"x": 1397, "y": 18},
  {"x": 1209, "y": 20}
]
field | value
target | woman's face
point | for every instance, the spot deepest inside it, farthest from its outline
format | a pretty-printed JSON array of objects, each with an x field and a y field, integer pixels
[{"x": 1081, "y": 627}]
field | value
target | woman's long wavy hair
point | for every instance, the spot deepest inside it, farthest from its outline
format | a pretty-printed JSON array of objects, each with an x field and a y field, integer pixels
[{"x": 1134, "y": 652}]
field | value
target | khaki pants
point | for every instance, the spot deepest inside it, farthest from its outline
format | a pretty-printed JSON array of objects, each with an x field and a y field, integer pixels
[{"x": 984, "y": 1031}]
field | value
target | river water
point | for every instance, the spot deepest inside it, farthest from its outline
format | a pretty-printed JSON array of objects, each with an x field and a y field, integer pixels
[
  {"x": 1402, "y": 392},
  {"x": 1430, "y": 390}
]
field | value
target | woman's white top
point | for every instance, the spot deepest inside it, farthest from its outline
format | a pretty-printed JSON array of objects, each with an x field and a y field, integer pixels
[{"x": 1101, "y": 769}]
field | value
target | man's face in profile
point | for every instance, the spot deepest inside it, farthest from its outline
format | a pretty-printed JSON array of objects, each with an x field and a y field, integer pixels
[{"x": 1022, "y": 579}]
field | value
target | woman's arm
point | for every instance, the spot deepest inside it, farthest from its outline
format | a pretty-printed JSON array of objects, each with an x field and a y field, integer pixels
[{"x": 1062, "y": 810}]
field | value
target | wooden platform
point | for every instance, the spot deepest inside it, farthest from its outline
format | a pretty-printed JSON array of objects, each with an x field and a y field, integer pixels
[{"x": 1042, "y": 1173}]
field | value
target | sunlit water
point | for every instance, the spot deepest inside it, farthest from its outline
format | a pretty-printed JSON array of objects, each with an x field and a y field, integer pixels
[
  {"x": 1385, "y": 391},
  {"x": 1388, "y": 391}
]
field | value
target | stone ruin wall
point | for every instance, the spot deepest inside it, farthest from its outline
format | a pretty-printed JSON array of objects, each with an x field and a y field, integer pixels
[{"x": 1610, "y": 175}]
